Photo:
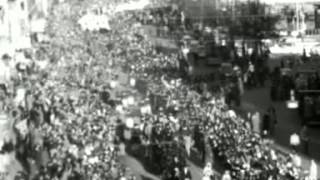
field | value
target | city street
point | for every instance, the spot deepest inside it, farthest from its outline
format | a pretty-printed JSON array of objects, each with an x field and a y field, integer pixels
[
  {"x": 159, "y": 90},
  {"x": 289, "y": 121}
]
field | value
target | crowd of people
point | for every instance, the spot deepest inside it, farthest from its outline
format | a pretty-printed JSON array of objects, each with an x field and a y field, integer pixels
[
  {"x": 63, "y": 131},
  {"x": 179, "y": 105},
  {"x": 168, "y": 20},
  {"x": 68, "y": 111}
]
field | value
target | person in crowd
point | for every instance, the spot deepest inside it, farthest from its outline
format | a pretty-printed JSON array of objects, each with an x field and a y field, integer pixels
[
  {"x": 256, "y": 122},
  {"x": 5, "y": 76},
  {"x": 270, "y": 121},
  {"x": 226, "y": 175},
  {"x": 186, "y": 174},
  {"x": 187, "y": 140},
  {"x": 208, "y": 171},
  {"x": 305, "y": 139},
  {"x": 251, "y": 75}
]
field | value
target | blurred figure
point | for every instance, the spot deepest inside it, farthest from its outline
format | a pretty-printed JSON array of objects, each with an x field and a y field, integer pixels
[
  {"x": 176, "y": 174},
  {"x": 313, "y": 172},
  {"x": 269, "y": 121},
  {"x": 304, "y": 136},
  {"x": 226, "y": 175},
  {"x": 256, "y": 122},
  {"x": 5, "y": 72},
  {"x": 186, "y": 174},
  {"x": 188, "y": 144},
  {"x": 208, "y": 172},
  {"x": 294, "y": 141}
]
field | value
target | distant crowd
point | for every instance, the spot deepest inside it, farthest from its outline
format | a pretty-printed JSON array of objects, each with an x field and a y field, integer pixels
[{"x": 73, "y": 118}]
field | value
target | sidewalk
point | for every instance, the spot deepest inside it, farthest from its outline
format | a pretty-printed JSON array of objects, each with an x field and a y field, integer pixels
[
  {"x": 306, "y": 161},
  {"x": 282, "y": 132}
]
